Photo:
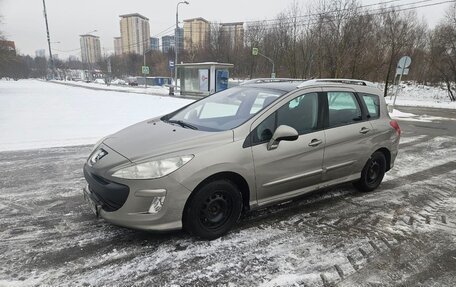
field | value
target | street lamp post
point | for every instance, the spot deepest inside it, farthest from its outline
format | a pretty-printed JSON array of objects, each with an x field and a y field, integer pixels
[
  {"x": 176, "y": 41},
  {"x": 255, "y": 52}
]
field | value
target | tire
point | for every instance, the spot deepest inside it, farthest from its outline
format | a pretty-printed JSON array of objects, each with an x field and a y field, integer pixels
[
  {"x": 372, "y": 173},
  {"x": 213, "y": 210}
]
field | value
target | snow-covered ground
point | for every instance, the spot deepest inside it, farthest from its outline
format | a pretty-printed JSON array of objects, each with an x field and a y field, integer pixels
[
  {"x": 421, "y": 96},
  {"x": 37, "y": 114},
  {"x": 150, "y": 90},
  {"x": 397, "y": 114},
  {"x": 402, "y": 232}
]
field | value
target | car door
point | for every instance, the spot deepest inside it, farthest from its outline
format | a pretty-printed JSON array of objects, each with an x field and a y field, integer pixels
[
  {"x": 347, "y": 133},
  {"x": 284, "y": 172}
]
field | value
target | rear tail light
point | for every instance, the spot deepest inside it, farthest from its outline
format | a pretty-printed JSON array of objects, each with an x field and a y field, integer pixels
[{"x": 395, "y": 125}]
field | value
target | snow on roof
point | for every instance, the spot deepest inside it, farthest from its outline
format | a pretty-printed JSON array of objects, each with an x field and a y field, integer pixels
[
  {"x": 196, "y": 19},
  {"x": 205, "y": 64},
  {"x": 133, "y": 15}
]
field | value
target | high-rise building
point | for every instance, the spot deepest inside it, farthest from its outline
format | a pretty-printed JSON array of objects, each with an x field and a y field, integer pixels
[
  {"x": 196, "y": 33},
  {"x": 180, "y": 39},
  {"x": 135, "y": 33},
  {"x": 41, "y": 53},
  {"x": 117, "y": 46},
  {"x": 154, "y": 44},
  {"x": 167, "y": 43},
  {"x": 233, "y": 34},
  {"x": 90, "y": 49}
]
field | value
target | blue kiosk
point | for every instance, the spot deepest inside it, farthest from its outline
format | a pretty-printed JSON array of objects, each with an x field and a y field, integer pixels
[{"x": 203, "y": 79}]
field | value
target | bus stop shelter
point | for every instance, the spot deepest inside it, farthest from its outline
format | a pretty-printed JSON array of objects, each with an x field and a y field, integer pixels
[{"x": 203, "y": 79}]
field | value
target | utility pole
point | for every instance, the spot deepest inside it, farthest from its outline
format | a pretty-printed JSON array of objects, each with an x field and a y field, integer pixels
[
  {"x": 144, "y": 69},
  {"x": 48, "y": 39},
  {"x": 176, "y": 41}
]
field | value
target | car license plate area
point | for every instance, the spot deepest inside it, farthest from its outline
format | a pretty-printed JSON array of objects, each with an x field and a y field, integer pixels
[{"x": 92, "y": 205}]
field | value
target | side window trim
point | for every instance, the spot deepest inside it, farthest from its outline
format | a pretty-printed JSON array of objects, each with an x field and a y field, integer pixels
[{"x": 362, "y": 106}]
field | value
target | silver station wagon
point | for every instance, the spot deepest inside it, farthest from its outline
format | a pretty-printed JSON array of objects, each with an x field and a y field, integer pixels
[{"x": 241, "y": 149}]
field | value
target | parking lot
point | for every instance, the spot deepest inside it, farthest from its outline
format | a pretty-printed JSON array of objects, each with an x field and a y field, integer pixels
[{"x": 403, "y": 234}]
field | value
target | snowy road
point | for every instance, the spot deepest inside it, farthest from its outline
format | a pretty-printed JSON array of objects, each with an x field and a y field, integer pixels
[
  {"x": 403, "y": 234},
  {"x": 400, "y": 235}
]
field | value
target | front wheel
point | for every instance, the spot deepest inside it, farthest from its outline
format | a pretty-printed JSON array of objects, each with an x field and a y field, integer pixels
[
  {"x": 372, "y": 173},
  {"x": 213, "y": 209}
]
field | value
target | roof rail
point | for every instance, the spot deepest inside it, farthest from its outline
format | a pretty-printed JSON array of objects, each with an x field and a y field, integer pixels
[
  {"x": 271, "y": 80},
  {"x": 340, "y": 81}
]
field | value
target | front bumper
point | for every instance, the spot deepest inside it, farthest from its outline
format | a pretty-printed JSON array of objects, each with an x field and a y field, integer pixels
[{"x": 127, "y": 202}]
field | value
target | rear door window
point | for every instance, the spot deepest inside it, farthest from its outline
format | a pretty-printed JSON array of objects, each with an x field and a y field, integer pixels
[{"x": 343, "y": 109}]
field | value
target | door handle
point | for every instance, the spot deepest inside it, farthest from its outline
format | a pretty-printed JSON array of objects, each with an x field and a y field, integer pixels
[
  {"x": 315, "y": 142},
  {"x": 364, "y": 130}
]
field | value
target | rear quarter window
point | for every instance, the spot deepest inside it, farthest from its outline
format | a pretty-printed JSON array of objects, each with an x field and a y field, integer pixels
[{"x": 372, "y": 104}]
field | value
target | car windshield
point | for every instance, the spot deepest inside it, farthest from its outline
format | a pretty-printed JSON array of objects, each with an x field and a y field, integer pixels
[{"x": 224, "y": 110}]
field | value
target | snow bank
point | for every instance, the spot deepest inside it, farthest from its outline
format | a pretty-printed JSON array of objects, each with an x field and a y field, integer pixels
[
  {"x": 36, "y": 114},
  {"x": 117, "y": 86},
  {"x": 396, "y": 114},
  {"x": 422, "y": 96}
]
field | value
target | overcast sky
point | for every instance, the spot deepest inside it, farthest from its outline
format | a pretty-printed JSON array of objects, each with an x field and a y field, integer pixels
[{"x": 23, "y": 21}]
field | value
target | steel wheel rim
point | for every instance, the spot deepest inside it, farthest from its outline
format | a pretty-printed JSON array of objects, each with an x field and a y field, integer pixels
[
  {"x": 215, "y": 210},
  {"x": 373, "y": 172}
]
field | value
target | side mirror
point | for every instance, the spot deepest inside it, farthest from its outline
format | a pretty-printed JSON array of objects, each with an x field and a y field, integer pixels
[{"x": 282, "y": 133}]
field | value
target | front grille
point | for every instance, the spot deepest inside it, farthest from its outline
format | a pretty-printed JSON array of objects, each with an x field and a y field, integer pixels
[{"x": 110, "y": 195}]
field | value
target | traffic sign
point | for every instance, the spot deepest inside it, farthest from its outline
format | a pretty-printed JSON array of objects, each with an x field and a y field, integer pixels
[
  {"x": 171, "y": 64},
  {"x": 402, "y": 69},
  {"x": 255, "y": 51},
  {"x": 145, "y": 70},
  {"x": 404, "y": 62},
  {"x": 404, "y": 72},
  {"x": 403, "y": 66}
]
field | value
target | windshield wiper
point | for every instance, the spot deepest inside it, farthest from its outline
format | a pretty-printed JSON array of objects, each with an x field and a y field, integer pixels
[{"x": 182, "y": 124}]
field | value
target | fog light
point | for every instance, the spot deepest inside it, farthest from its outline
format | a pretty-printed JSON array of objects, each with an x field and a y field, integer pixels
[{"x": 156, "y": 204}]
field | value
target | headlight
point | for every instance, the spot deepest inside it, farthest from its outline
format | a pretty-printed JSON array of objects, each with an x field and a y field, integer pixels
[{"x": 153, "y": 169}]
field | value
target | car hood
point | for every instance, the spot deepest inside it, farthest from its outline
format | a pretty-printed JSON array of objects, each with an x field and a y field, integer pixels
[{"x": 155, "y": 138}]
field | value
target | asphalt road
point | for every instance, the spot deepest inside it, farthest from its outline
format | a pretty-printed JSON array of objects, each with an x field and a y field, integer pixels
[{"x": 403, "y": 234}]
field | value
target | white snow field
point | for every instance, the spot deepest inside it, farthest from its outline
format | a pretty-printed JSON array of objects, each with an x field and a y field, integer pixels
[
  {"x": 421, "y": 96},
  {"x": 37, "y": 114}
]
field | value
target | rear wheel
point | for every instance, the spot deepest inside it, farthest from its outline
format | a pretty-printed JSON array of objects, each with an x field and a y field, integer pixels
[
  {"x": 372, "y": 173},
  {"x": 213, "y": 210}
]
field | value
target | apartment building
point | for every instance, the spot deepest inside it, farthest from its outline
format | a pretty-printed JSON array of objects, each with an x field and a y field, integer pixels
[
  {"x": 196, "y": 33},
  {"x": 233, "y": 34},
  {"x": 134, "y": 33},
  {"x": 117, "y": 46},
  {"x": 90, "y": 49}
]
